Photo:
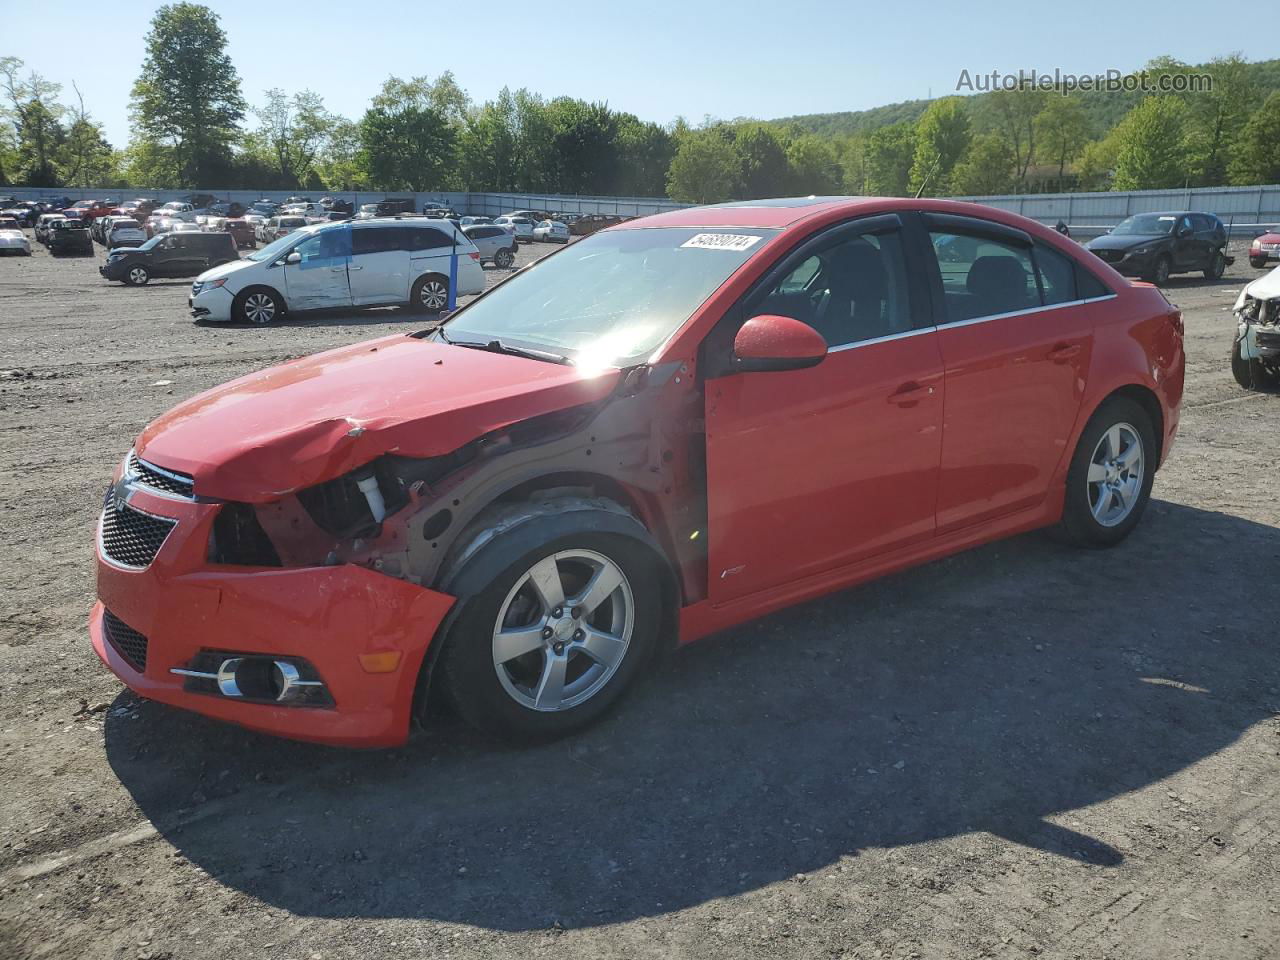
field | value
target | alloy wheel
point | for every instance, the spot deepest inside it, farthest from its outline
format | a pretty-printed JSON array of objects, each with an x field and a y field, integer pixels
[
  {"x": 434, "y": 295},
  {"x": 259, "y": 308},
  {"x": 138, "y": 276},
  {"x": 1115, "y": 475},
  {"x": 563, "y": 630}
]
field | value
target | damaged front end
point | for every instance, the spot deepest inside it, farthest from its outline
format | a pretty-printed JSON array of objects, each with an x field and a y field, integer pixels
[{"x": 1256, "y": 351}]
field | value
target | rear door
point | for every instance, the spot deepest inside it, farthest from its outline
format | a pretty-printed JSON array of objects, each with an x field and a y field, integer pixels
[
  {"x": 1016, "y": 339},
  {"x": 1186, "y": 244},
  {"x": 430, "y": 249},
  {"x": 811, "y": 470},
  {"x": 319, "y": 280},
  {"x": 379, "y": 267}
]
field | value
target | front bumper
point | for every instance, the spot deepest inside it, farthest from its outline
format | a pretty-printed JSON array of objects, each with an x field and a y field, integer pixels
[
  {"x": 1130, "y": 264},
  {"x": 113, "y": 270},
  {"x": 213, "y": 305},
  {"x": 331, "y": 616}
]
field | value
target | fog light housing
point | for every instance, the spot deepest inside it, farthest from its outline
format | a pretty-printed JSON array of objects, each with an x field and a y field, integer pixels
[{"x": 255, "y": 678}]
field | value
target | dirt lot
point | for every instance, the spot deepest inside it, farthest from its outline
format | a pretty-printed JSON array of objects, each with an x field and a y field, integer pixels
[{"x": 1022, "y": 751}]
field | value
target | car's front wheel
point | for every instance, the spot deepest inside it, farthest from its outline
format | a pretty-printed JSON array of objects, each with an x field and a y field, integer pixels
[
  {"x": 1251, "y": 373},
  {"x": 1160, "y": 272},
  {"x": 257, "y": 306},
  {"x": 1109, "y": 480},
  {"x": 137, "y": 276},
  {"x": 504, "y": 258},
  {"x": 1257, "y": 262},
  {"x": 556, "y": 618}
]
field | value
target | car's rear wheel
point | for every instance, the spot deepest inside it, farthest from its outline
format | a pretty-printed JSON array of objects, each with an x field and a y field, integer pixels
[
  {"x": 430, "y": 293},
  {"x": 1110, "y": 476},
  {"x": 1217, "y": 266},
  {"x": 257, "y": 306},
  {"x": 556, "y": 618},
  {"x": 137, "y": 276},
  {"x": 504, "y": 258},
  {"x": 1160, "y": 272}
]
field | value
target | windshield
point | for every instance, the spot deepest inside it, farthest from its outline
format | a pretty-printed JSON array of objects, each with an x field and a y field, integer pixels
[
  {"x": 275, "y": 249},
  {"x": 1147, "y": 224},
  {"x": 612, "y": 297}
]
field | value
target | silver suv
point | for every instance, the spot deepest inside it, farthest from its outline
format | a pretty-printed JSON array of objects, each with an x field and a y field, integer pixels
[{"x": 495, "y": 245}]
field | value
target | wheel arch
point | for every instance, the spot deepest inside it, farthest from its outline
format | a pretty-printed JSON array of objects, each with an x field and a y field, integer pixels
[
  {"x": 269, "y": 288},
  {"x": 1146, "y": 398}
]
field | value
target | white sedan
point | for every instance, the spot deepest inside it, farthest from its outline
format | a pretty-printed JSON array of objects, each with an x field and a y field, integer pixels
[
  {"x": 15, "y": 241},
  {"x": 551, "y": 231}
]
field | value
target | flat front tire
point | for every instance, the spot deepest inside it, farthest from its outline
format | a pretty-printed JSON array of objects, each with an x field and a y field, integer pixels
[
  {"x": 1110, "y": 476},
  {"x": 556, "y": 619}
]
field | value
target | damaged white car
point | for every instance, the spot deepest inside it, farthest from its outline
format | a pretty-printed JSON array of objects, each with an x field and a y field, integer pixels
[{"x": 1255, "y": 355}]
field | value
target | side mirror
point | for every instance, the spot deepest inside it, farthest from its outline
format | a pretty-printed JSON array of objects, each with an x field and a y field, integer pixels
[
  {"x": 770, "y": 342},
  {"x": 294, "y": 257},
  {"x": 1184, "y": 231}
]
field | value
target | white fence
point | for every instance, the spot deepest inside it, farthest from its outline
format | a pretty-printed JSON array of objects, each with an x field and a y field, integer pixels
[{"x": 1245, "y": 210}]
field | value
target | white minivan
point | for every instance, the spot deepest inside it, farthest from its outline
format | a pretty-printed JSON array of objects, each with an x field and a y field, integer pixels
[{"x": 369, "y": 263}]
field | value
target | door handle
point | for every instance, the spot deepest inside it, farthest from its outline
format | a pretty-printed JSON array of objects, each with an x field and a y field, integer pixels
[
  {"x": 1064, "y": 352},
  {"x": 336, "y": 269},
  {"x": 355, "y": 268},
  {"x": 909, "y": 394}
]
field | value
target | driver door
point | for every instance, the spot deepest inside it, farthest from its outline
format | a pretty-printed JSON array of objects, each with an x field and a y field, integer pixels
[
  {"x": 319, "y": 279},
  {"x": 815, "y": 469}
]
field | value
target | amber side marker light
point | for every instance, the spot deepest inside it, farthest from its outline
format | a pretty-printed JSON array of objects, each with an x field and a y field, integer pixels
[{"x": 384, "y": 662}]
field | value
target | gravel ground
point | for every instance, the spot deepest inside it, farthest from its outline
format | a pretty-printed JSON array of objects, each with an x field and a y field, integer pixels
[{"x": 1020, "y": 751}]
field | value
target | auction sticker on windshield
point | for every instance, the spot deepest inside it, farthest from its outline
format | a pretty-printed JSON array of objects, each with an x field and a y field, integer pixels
[{"x": 721, "y": 241}]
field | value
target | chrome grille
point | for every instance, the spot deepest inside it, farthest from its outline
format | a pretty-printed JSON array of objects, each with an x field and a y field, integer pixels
[
  {"x": 128, "y": 642},
  {"x": 129, "y": 537},
  {"x": 149, "y": 475}
]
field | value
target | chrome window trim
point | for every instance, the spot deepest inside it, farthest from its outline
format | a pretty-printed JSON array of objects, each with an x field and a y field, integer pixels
[
  {"x": 1027, "y": 312},
  {"x": 885, "y": 339}
]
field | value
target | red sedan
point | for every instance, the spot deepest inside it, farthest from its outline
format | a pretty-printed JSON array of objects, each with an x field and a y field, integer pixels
[
  {"x": 1264, "y": 249},
  {"x": 663, "y": 430}
]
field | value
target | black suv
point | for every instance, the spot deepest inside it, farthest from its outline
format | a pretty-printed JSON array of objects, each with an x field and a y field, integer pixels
[
  {"x": 1154, "y": 245},
  {"x": 170, "y": 255}
]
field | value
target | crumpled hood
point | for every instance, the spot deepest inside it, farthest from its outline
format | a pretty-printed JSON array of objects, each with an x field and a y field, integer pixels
[
  {"x": 1266, "y": 287},
  {"x": 271, "y": 433},
  {"x": 1112, "y": 241}
]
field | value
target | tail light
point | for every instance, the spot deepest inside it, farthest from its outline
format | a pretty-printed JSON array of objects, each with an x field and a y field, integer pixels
[{"x": 474, "y": 256}]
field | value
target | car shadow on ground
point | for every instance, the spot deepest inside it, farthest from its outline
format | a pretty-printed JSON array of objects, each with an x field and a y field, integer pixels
[{"x": 990, "y": 691}]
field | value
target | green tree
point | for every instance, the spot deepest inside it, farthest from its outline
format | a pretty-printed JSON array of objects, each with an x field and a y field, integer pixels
[
  {"x": 488, "y": 142},
  {"x": 942, "y": 136},
  {"x": 852, "y": 154},
  {"x": 762, "y": 157},
  {"x": 1216, "y": 118},
  {"x": 813, "y": 167},
  {"x": 645, "y": 151},
  {"x": 340, "y": 165},
  {"x": 86, "y": 158},
  {"x": 987, "y": 168},
  {"x": 1015, "y": 113},
  {"x": 1151, "y": 149},
  {"x": 584, "y": 142},
  {"x": 889, "y": 153},
  {"x": 1062, "y": 130},
  {"x": 291, "y": 135},
  {"x": 36, "y": 116},
  {"x": 408, "y": 149},
  {"x": 187, "y": 96},
  {"x": 1257, "y": 157},
  {"x": 705, "y": 168}
]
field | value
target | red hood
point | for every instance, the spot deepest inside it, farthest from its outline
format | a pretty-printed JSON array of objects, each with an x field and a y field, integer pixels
[
  {"x": 270, "y": 433},
  {"x": 1267, "y": 238}
]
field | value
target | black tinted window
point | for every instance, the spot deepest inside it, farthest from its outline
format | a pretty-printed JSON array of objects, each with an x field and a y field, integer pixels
[
  {"x": 983, "y": 277},
  {"x": 427, "y": 238},
  {"x": 376, "y": 239},
  {"x": 1057, "y": 276},
  {"x": 852, "y": 289},
  {"x": 1089, "y": 286}
]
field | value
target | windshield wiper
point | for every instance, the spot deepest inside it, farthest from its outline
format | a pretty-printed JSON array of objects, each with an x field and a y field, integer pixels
[{"x": 497, "y": 346}]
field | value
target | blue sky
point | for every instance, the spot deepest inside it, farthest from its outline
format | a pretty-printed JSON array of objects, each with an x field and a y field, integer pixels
[{"x": 657, "y": 59}]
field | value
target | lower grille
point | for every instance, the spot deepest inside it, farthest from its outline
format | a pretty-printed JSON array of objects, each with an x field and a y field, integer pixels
[
  {"x": 1110, "y": 256},
  {"x": 125, "y": 640},
  {"x": 129, "y": 537}
]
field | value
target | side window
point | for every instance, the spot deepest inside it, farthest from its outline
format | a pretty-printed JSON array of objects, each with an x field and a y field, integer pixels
[
  {"x": 1090, "y": 286},
  {"x": 982, "y": 277},
  {"x": 329, "y": 245},
  {"x": 376, "y": 240},
  {"x": 852, "y": 290},
  {"x": 427, "y": 238},
  {"x": 1057, "y": 276},
  {"x": 1185, "y": 223}
]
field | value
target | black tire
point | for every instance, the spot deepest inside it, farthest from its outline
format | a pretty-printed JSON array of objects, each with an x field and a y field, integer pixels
[
  {"x": 504, "y": 258},
  {"x": 1217, "y": 266},
  {"x": 1160, "y": 272},
  {"x": 1079, "y": 526},
  {"x": 137, "y": 276},
  {"x": 1252, "y": 374},
  {"x": 257, "y": 306},
  {"x": 1258, "y": 263},
  {"x": 430, "y": 293},
  {"x": 467, "y": 670}
]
